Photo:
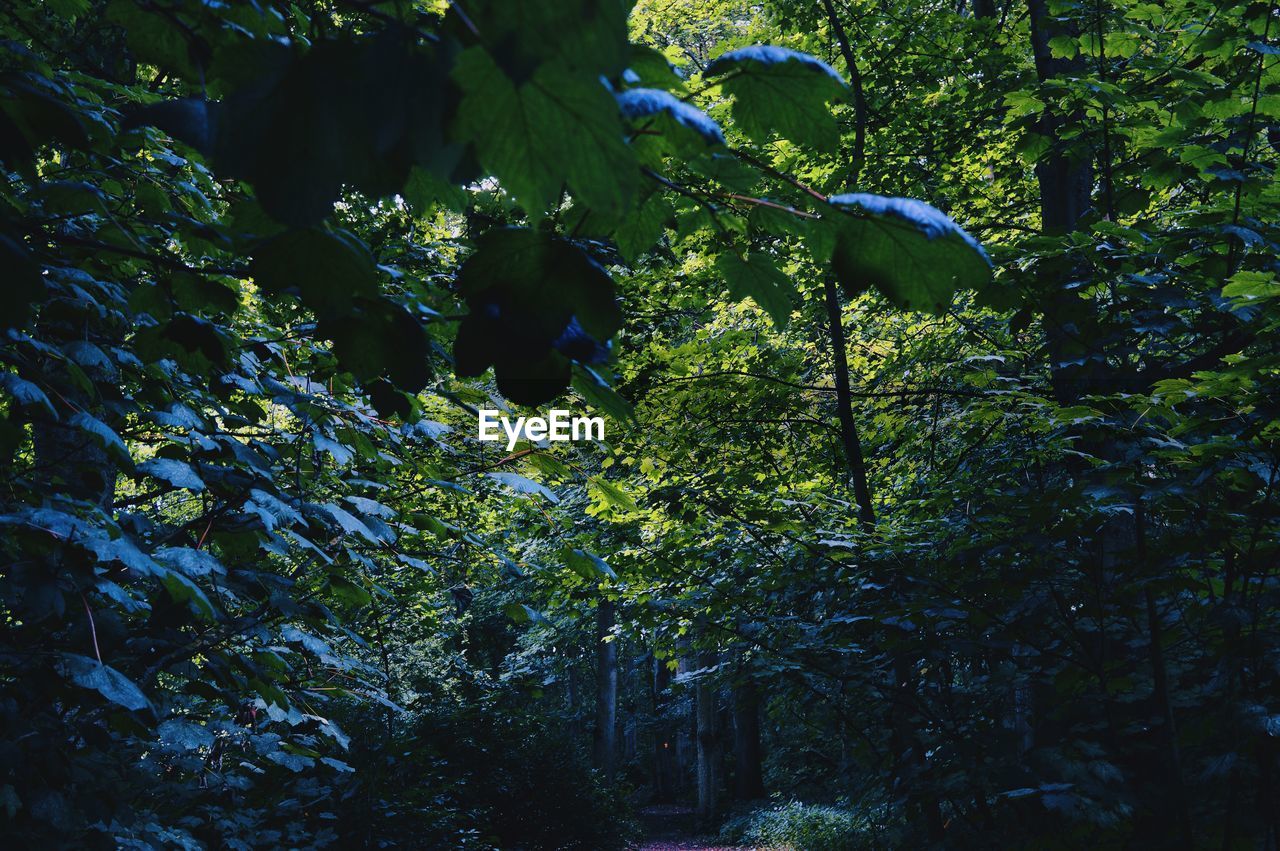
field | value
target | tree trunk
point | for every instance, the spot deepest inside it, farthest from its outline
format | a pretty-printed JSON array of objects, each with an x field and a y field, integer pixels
[
  {"x": 664, "y": 737},
  {"x": 908, "y": 753},
  {"x": 606, "y": 734},
  {"x": 748, "y": 754},
  {"x": 708, "y": 745},
  {"x": 859, "y": 97},
  {"x": 984, "y": 8},
  {"x": 1066, "y": 184},
  {"x": 844, "y": 406},
  {"x": 1160, "y": 688}
]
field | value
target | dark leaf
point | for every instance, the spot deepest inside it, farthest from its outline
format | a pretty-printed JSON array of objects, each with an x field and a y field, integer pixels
[
  {"x": 110, "y": 683},
  {"x": 912, "y": 252}
]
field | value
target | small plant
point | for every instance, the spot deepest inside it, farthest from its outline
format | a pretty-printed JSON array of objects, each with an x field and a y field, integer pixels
[{"x": 800, "y": 827}]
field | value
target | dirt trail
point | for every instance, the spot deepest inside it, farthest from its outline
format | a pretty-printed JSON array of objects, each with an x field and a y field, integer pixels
[{"x": 670, "y": 828}]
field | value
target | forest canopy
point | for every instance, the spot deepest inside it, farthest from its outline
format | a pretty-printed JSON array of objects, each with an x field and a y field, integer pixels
[{"x": 934, "y": 350}]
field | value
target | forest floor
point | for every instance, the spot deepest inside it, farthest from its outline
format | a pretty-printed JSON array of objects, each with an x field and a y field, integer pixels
[{"x": 670, "y": 828}]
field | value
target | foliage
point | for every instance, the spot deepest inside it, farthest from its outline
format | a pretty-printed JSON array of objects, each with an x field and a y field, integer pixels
[
  {"x": 486, "y": 773},
  {"x": 801, "y": 827},
  {"x": 1004, "y": 553}
]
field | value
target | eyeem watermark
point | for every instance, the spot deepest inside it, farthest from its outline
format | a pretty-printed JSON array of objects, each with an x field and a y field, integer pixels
[{"x": 559, "y": 425}]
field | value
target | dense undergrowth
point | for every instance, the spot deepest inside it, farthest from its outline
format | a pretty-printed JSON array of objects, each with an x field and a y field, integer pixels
[{"x": 935, "y": 345}]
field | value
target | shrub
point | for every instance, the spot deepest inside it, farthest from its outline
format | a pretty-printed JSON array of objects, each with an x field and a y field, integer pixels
[
  {"x": 801, "y": 827},
  {"x": 489, "y": 776}
]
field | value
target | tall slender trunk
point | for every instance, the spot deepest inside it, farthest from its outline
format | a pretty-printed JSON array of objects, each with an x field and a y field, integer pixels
[
  {"x": 1160, "y": 689},
  {"x": 908, "y": 754},
  {"x": 606, "y": 733},
  {"x": 708, "y": 736},
  {"x": 1066, "y": 183},
  {"x": 859, "y": 97},
  {"x": 748, "y": 755},
  {"x": 665, "y": 739},
  {"x": 844, "y": 408}
]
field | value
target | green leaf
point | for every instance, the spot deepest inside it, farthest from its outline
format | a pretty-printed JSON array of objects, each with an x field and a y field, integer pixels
[
  {"x": 70, "y": 198},
  {"x": 1244, "y": 287},
  {"x": 536, "y": 302},
  {"x": 912, "y": 252},
  {"x": 104, "y": 436},
  {"x": 522, "y": 484},
  {"x": 25, "y": 393},
  {"x": 610, "y": 495},
  {"x": 185, "y": 735},
  {"x": 758, "y": 278},
  {"x": 600, "y": 395},
  {"x": 348, "y": 591},
  {"x": 588, "y": 566},
  {"x": 424, "y": 192},
  {"x": 177, "y": 473},
  {"x": 554, "y": 129},
  {"x": 520, "y": 613},
  {"x": 379, "y": 338},
  {"x": 637, "y": 104},
  {"x": 327, "y": 269},
  {"x": 782, "y": 91},
  {"x": 183, "y": 590},
  {"x": 1064, "y": 46},
  {"x": 648, "y": 66},
  {"x": 640, "y": 230},
  {"x": 110, "y": 683}
]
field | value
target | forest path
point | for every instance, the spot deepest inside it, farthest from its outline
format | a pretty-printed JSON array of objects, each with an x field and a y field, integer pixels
[{"x": 670, "y": 828}]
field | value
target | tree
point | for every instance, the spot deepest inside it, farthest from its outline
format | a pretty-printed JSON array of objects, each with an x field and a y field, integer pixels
[{"x": 992, "y": 528}]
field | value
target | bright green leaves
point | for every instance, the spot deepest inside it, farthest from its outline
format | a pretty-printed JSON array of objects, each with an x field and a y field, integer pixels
[
  {"x": 780, "y": 91},
  {"x": 758, "y": 278},
  {"x": 537, "y": 302},
  {"x": 912, "y": 252},
  {"x": 1247, "y": 287},
  {"x": 609, "y": 498},
  {"x": 555, "y": 129},
  {"x": 588, "y": 566},
  {"x": 522, "y": 614}
]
